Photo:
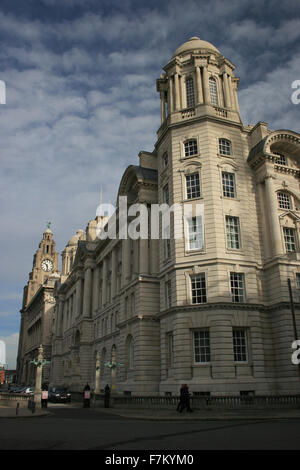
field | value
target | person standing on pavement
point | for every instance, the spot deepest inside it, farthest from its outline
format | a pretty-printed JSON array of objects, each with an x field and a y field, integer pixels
[
  {"x": 86, "y": 396},
  {"x": 184, "y": 399},
  {"x": 106, "y": 396},
  {"x": 44, "y": 399}
]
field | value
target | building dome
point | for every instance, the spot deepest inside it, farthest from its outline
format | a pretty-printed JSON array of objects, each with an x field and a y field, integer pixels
[{"x": 195, "y": 43}]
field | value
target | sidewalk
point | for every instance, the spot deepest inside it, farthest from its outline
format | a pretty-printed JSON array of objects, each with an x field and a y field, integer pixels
[
  {"x": 8, "y": 412},
  {"x": 212, "y": 414}
]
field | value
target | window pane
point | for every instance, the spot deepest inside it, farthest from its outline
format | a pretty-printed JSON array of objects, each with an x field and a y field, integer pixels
[
  {"x": 192, "y": 185},
  {"x": 195, "y": 233},
  {"x": 233, "y": 232},
  {"x": 281, "y": 160},
  {"x": 237, "y": 287},
  {"x": 213, "y": 91},
  {"x": 240, "y": 346},
  {"x": 284, "y": 201},
  {"x": 190, "y": 97},
  {"x": 190, "y": 148},
  {"x": 202, "y": 346},
  {"x": 225, "y": 147},
  {"x": 289, "y": 239},
  {"x": 198, "y": 289},
  {"x": 228, "y": 180}
]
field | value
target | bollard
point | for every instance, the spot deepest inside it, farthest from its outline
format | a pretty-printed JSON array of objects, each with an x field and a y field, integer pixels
[{"x": 17, "y": 408}]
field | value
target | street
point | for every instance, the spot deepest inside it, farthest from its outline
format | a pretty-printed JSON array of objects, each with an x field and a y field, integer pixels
[{"x": 70, "y": 427}]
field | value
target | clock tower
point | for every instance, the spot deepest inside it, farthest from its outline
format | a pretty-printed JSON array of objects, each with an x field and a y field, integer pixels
[{"x": 45, "y": 263}]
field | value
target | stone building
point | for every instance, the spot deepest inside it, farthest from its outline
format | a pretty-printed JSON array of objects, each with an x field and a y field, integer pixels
[
  {"x": 209, "y": 305},
  {"x": 37, "y": 313}
]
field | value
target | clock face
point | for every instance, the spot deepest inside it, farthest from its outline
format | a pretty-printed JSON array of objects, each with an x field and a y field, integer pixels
[{"x": 47, "y": 265}]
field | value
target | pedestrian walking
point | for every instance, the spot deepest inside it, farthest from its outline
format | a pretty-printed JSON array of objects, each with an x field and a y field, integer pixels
[
  {"x": 106, "y": 396},
  {"x": 86, "y": 396},
  {"x": 184, "y": 402}
]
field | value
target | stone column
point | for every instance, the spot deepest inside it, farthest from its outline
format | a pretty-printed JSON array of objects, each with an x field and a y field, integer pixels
[
  {"x": 183, "y": 92},
  {"x": 87, "y": 293},
  {"x": 199, "y": 86},
  {"x": 162, "y": 107},
  {"x": 171, "y": 103},
  {"x": 104, "y": 282},
  {"x": 114, "y": 270},
  {"x": 226, "y": 91},
  {"x": 78, "y": 296},
  {"x": 95, "y": 289},
  {"x": 143, "y": 256},
  {"x": 58, "y": 317},
  {"x": 273, "y": 215},
  {"x": 177, "y": 92},
  {"x": 38, "y": 378},
  {"x": 125, "y": 261},
  {"x": 206, "y": 94}
]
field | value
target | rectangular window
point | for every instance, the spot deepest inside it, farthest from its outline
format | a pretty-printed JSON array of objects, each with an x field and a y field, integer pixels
[
  {"x": 195, "y": 235},
  {"x": 198, "y": 289},
  {"x": 166, "y": 194},
  {"x": 289, "y": 239},
  {"x": 201, "y": 346},
  {"x": 190, "y": 97},
  {"x": 281, "y": 160},
  {"x": 284, "y": 201},
  {"x": 233, "y": 232},
  {"x": 224, "y": 147},
  {"x": 165, "y": 160},
  {"x": 192, "y": 185},
  {"x": 240, "y": 345},
  {"x": 237, "y": 287},
  {"x": 228, "y": 181},
  {"x": 170, "y": 349},
  {"x": 168, "y": 294},
  {"x": 190, "y": 148}
]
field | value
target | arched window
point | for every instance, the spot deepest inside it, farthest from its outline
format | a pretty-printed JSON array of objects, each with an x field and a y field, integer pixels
[
  {"x": 213, "y": 91},
  {"x": 225, "y": 147},
  {"x": 284, "y": 200},
  {"x": 190, "y": 95}
]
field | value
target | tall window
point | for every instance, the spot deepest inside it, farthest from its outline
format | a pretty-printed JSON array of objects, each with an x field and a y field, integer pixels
[
  {"x": 284, "y": 201},
  {"x": 289, "y": 239},
  {"x": 190, "y": 148},
  {"x": 213, "y": 91},
  {"x": 237, "y": 282},
  {"x": 166, "y": 194},
  {"x": 281, "y": 160},
  {"x": 168, "y": 293},
  {"x": 201, "y": 346},
  {"x": 192, "y": 185},
  {"x": 225, "y": 147},
  {"x": 195, "y": 235},
  {"x": 198, "y": 289},
  {"x": 170, "y": 349},
  {"x": 240, "y": 345},
  {"x": 228, "y": 182},
  {"x": 190, "y": 95},
  {"x": 233, "y": 232},
  {"x": 165, "y": 160}
]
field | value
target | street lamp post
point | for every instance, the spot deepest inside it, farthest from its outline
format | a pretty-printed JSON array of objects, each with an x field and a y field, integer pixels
[{"x": 39, "y": 363}]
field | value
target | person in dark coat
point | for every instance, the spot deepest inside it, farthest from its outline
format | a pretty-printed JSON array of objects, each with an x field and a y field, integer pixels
[
  {"x": 106, "y": 396},
  {"x": 184, "y": 401},
  {"x": 44, "y": 399},
  {"x": 86, "y": 396}
]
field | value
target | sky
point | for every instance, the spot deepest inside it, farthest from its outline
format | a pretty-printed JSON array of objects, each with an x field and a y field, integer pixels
[{"x": 81, "y": 102}]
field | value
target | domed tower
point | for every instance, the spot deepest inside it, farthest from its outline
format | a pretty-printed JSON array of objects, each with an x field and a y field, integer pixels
[
  {"x": 198, "y": 81},
  {"x": 68, "y": 255}
]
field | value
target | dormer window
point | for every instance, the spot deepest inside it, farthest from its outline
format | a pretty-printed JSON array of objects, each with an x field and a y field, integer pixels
[
  {"x": 213, "y": 91},
  {"x": 190, "y": 148},
  {"x": 281, "y": 160},
  {"x": 190, "y": 96},
  {"x": 225, "y": 147}
]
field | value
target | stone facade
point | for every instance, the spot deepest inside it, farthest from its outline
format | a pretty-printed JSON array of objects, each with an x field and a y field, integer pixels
[{"x": 210, "y": 306}]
